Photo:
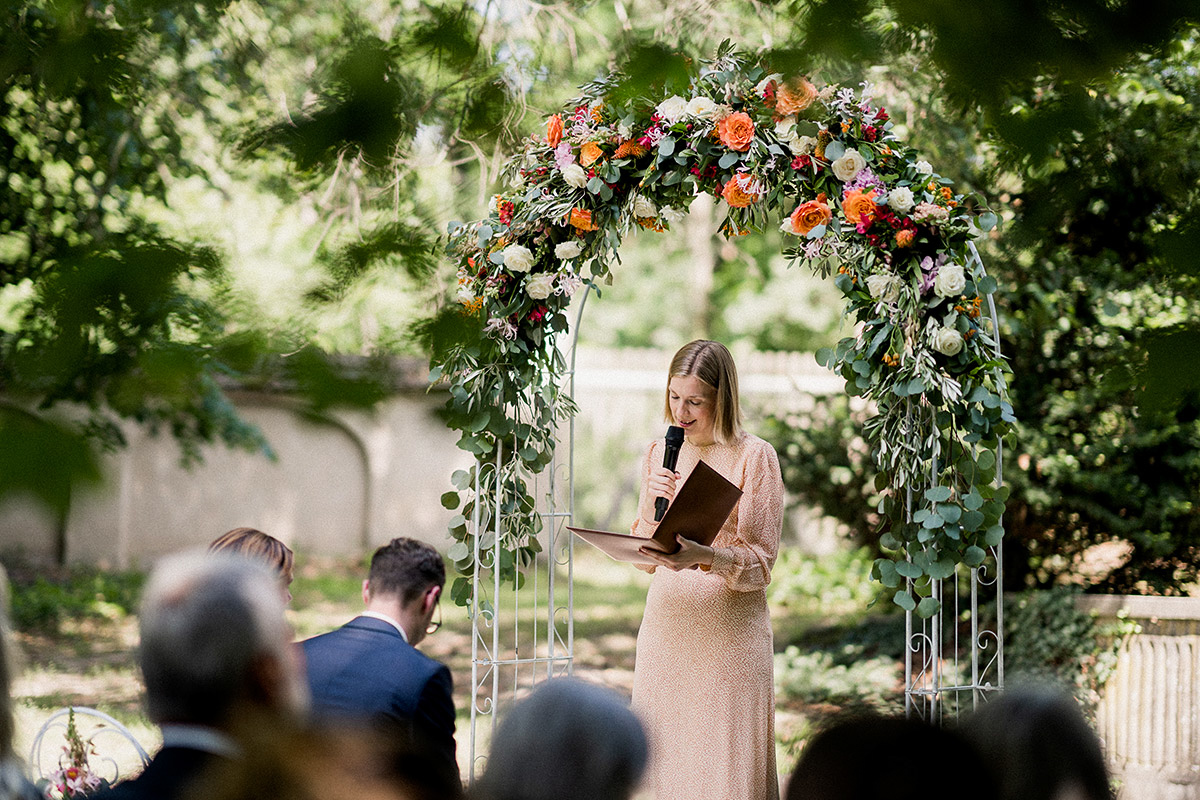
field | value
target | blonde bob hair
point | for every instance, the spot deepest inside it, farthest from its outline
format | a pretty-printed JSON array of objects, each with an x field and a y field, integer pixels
[
  {"x": 712, "y": 363},
  {"x": 255, "y": 544}
]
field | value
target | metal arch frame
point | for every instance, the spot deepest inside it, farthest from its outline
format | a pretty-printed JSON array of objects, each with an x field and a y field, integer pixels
[
  {"x": 554, "y": 654},
  {"x": 934, "y": 681},
  {"x": 935, "y": 677}
]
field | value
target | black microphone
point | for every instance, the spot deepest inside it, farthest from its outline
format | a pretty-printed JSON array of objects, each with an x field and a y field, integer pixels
[{"x": 670, "y": 455}]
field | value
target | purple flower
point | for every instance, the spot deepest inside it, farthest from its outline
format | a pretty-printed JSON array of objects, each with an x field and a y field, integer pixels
[
  {"x": 563, "y": 155},
  {"x": 929, "y": 271},
  {"x": 867, "y": 180}
]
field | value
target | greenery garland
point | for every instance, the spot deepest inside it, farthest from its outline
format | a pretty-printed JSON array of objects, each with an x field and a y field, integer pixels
[{"x": 861, "y": 205}]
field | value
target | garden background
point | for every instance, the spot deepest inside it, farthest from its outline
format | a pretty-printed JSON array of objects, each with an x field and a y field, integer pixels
[{"x": 205, "y": 200}]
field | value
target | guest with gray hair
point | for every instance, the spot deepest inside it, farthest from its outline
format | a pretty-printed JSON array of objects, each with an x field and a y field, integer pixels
[
  {"x": 566, "y": 739},
  {"x": 217, "y": 658}
]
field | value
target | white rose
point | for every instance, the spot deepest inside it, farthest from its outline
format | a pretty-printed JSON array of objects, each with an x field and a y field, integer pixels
[
  {"x": 567, "y": 250},
  {"x": 701, "y": 107},
  {"x": 950, "y": 281},
  {"x": 901, "y": 199},
  {"x": 783, "y": 128},
  {"x": 517, "y": 258},
  {"x": 885, "y": 287},
  {"x": 673, "y": 215},
  {"x": 672, "y": 109},
  {"x": 802, "y": 145},
  {"x": 624, "y": 131},
  {"x": 850, "y": 164},
  {"x": 923, "y": 168},
  {"x": 540, "y": 285},
  {"x": 575, "y": 175},
  {"x": 643, "y": 208},
  {"x": 947, "y": 341}
]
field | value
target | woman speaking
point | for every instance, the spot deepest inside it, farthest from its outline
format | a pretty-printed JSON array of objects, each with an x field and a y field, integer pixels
[{"x": 703, "y": 681}]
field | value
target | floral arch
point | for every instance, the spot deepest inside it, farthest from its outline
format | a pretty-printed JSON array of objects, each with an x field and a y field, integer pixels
[{"x": 862, "y": 207}]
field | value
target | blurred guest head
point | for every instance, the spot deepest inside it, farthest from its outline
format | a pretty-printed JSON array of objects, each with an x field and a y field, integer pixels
[
  {"x": 215, "y": 644},
  {"x": 283, "y": 759},
  {"x": 7, "y": 670},
  {"x": 260, "y": 546},
  {"x": 1039, "y": 746},
  {"x": 566, "y": 739},
  {"x": 873, "y": 757}
]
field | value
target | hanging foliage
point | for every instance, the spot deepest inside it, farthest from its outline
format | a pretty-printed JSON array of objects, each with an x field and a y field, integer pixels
[{"x": 863, "y": 207}]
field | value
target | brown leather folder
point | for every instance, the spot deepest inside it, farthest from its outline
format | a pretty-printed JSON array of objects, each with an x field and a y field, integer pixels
[{"x": 699, "y": 509}]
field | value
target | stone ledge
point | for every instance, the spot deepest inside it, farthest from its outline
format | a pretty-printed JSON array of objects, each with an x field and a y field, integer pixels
[{"x": 1142, "y": 607}]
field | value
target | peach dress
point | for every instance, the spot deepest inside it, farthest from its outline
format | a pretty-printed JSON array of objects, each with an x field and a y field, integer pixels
[{"x": 703, "y": 683}]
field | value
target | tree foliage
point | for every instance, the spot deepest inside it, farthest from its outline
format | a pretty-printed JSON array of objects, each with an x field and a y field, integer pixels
[{"x": 1099, "y": 299}]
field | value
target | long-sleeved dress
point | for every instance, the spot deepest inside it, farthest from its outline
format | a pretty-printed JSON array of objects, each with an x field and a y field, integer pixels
[{"x": 704, "y": 681}]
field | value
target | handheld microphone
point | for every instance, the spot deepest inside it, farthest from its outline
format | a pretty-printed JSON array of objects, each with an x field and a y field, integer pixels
[{"x": 673, "y": 441}]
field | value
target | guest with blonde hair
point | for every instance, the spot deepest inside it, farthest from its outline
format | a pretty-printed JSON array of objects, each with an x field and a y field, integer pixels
[{"x": 255, "y": 544}]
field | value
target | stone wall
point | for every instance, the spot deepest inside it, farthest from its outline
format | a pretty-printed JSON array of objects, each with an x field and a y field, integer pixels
[
  {"x": 1149, "y": 712},
  {"x": 352, "y": 480}
]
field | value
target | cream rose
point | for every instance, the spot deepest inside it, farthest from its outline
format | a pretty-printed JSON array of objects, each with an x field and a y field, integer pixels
[
  {"x": 947, "y": 341},
  {"x": 517, "y": 258},
  {"x": 643, "y": 208},
  {"x": 850, "y": 164},
  {"x": 901, "y": 199},
  {"x": 540, "y": 285},
  {"x": 575, "y": 175},
  {"x": 673, "y": 215},
  {"x": 672, "y": 109},
  {"x": 884, "y": 286},
  {"x": 950, "y": 281},
  {"x": 567, "y": 250},
  {"x": 702, "y": 108},
  {"x": 802, "y": 145},
  {"x": 784, "y": 128}
]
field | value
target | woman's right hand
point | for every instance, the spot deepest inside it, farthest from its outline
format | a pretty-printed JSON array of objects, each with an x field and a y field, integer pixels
[{"x": 662, "y": 483}]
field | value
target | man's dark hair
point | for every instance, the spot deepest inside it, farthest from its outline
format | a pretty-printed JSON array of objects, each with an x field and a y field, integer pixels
[{"x": 406, "y": 567}]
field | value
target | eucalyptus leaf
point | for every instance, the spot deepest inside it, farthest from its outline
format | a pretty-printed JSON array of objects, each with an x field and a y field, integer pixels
[
  {"x": 928, "y": 607},
  {"x": 938, "y": 494}
]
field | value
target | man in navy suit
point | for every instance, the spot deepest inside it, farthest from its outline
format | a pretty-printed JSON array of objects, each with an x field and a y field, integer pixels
[{"x": 371, "y": 669}]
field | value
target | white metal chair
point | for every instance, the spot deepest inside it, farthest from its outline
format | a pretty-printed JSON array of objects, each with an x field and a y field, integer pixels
[{"x": 112, "y": 748}]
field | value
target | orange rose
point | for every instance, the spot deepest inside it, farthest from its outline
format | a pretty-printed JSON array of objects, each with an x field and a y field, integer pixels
[
  {"x": 810, "y": 215},
  {"x": 581, "y": 219},
  {"x": 794, "y": 96},
  {"x": 589, "y": 154},
  {"x": 741, "y": 191},
  {"x": 859, "y": 206},
  {"x": 904, "y": 238},
  {"x": 554, "y": 130},
  {"x": 736, "y": 131}
]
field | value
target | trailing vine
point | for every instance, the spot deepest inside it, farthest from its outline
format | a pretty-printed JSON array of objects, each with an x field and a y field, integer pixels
[{"x": 863, "y": 208}]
